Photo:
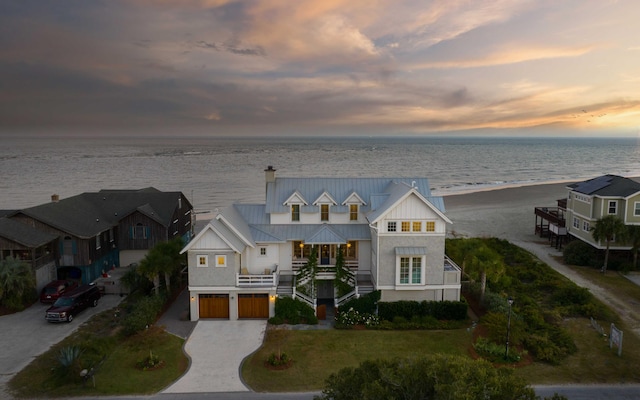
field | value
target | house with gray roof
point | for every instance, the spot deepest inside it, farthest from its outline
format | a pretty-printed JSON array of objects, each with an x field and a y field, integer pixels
[
  {"x": 595, "y": 198},
  {"x": 93, "y": 232},
  {"x": 388, "y": 234}
]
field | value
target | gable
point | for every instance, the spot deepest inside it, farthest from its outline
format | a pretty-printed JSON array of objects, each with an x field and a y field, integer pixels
[
  {"x": 325, "y": 198},
  {"x": 413, "y": 207},
  {"x": 354, "y": 198},
  {"x": 295, "y": 198},
  {"x": 210, "y": 240}
]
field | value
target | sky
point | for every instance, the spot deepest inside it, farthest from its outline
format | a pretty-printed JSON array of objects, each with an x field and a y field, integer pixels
[{"x": 326, "y": 67}]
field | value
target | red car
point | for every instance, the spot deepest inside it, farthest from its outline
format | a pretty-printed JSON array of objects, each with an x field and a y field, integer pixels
[{"x": 55, "y": 289}]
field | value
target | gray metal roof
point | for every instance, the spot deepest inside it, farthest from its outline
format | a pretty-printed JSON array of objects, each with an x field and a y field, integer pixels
[
  {"x": 88, "y": 214},
  {"x": 324, "y": 234},
  {"x": 411, "y": 251},
  {"x": 607, "y": 186},
  {"x": 339, "y": 189},
  {"x": 229, "y": 235},
  {"x": 307, "y": 232},
  {"x": 24, "y": 234}
]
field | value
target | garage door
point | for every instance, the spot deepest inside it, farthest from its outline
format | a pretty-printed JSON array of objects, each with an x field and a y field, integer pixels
[
  {"x": 214, "y": 306},
  {"x": 253, "y": 305}
]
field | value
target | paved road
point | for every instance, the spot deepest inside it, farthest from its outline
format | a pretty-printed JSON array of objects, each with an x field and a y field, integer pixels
[{"x": 26, "y": 335}]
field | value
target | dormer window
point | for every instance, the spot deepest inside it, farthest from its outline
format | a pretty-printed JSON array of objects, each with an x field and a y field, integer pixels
[
  {"x": 353, "y": 212},
  {"x": 324, "y": 212},
  {"x": 295, "y": 212}
]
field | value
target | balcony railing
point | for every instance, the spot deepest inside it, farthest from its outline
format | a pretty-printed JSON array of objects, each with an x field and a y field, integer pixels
[
  {"x": 257, "y": 280},
  {"x": 298, "y": 263}
]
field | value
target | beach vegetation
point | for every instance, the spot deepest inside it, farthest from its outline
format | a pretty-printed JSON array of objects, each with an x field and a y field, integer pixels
[
  {"x": 164, "y": 259},
  {"x": 543, "y": 300},
  {"x": 17, "y": 284},
  {"x": 292, "y": 311},
  {"x": 430, "y": 376},
  {"x": 633, "y": 238},
  {"x": 580, "y": 253},
  {"x": 608, "y": 228}
]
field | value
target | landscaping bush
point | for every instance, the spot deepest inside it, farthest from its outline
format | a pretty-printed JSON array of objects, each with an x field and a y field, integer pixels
[
  {"x": 367, "y": 303},
  {"x": 294, "y": 312},
  {"x": 350, "y": 318},
  {"x": 580, "y": 253},
  {"x": 443, "y": 310},
  {"x": 142, "y": 313}
]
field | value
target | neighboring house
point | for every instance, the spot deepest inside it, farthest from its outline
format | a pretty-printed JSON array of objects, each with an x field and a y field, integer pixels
[
  {"x": 391, "y": 232},
  {"x": 595, "y": 198},
  {"x": 30, "y": 245},
  {"x": 94, "y": 232}
]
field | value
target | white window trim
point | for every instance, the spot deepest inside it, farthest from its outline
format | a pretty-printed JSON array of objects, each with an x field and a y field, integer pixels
[
  {"x": 224, "y": 258},
  {"x": 206, "y": 260},
  {"x": 636, "y": 209},
  {"x": 395, "y": 226},
  {"x": 615, "y": 206},
  {"x": 576, "y": 222},
  {"x": 586, "y": 226},
  {"x": 98, "y": 244},
  {"x": 260, "y": 251},
  {"x": 422, "y": 271}
]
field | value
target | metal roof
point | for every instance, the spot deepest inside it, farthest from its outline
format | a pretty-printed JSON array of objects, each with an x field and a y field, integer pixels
[{"x": 411, "y": 251}]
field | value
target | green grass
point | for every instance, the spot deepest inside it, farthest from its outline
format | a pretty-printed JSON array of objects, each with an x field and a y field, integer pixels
[
  {"x": 118, "y": 374},
  {"x": 317, "y": 354}
]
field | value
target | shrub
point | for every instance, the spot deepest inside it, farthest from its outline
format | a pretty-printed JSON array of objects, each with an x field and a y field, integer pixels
[
  {"x": 276, "y": 360},
  {"x": 449, "y": 310},
  {"x": 294, "y": 311},
  {"x": 364, "y": 304},
  {"x": 142, "y": 313},
  {"x": 579, "y": 253},
  {"x": 347, "y": 319},
  {"x": 494, "y": 352}
]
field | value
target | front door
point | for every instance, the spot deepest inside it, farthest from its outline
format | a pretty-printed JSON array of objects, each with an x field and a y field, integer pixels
[{"x": 325, "y": 254}]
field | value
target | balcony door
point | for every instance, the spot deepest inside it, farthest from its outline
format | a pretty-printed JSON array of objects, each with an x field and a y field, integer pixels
[{"x": 325, "y": 254}]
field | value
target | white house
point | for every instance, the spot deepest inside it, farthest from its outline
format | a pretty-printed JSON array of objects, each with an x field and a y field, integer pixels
[{"x": 390, "y": 231}]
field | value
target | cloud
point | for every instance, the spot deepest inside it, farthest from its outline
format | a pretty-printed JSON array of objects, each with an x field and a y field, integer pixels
[{"x": 509, "y": 56}]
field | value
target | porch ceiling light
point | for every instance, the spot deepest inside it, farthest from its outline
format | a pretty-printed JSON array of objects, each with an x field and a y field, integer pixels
[
  {"x": 348, "y": 244},
  {"x": 301, "y": 245}
]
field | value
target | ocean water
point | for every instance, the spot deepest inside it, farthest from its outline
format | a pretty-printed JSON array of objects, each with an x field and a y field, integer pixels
[{"x": 215, "y": 172}]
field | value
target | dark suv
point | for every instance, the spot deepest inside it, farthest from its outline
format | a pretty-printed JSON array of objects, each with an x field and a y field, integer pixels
[{"x": 71, "y": 303}]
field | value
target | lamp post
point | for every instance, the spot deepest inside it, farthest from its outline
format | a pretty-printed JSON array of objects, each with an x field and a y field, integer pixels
[{"x": 506, "y": 351}]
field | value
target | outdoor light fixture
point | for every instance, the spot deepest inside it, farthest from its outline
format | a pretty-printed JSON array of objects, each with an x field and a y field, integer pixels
[
  {"x": 348, "y": 244},
  {"x": 506, "y": 351},
  {"x": 193, "y": 298},
  {"x": 301, "y": 245}
]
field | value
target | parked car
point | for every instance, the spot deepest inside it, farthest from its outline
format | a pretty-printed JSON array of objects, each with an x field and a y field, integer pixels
[
  {"x": 55, "y": 289},
  {"x": 70, "y": 304}
]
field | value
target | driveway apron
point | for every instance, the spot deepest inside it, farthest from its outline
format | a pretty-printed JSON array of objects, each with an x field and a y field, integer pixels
[{"x": 216, "y": 349}]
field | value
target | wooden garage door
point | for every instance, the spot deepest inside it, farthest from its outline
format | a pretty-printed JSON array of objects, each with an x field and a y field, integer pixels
[
  {"x": 214, "y": 306},
  {"x": 254, "y": 305}
]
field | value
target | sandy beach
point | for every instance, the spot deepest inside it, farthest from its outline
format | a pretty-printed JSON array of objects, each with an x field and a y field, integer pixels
[{"x": 509, "y": 214}]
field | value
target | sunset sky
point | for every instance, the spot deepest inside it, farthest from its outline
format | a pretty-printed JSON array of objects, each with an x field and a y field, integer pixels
[{"x": 326, "y": 67}]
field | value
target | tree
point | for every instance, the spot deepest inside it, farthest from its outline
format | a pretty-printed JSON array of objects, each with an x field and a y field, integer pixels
[
  {"x": 608, "y": 228},
  {"x": 343, "y": 275},
  {"x": 633, "y": 237},
  {"x": 164, "y": 258},
  {"x": 16, "y": 282},
  {"x": 428, "y": 377},
  {"x": 481, "y": 261},
  {"x": 308, "y": 272}
]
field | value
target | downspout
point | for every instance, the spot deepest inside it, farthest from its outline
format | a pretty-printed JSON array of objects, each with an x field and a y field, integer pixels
[{"x": 375, "y": 228}]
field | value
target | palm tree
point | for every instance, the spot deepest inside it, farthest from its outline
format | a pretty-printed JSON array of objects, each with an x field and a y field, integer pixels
[
  {"x": 608, "y": 228},
  {"x": 164, "y": 258},
  {"x": 16, "y": 281},
  {"x": 480, "y": 261},
  {"x": 633, "y": 236}
]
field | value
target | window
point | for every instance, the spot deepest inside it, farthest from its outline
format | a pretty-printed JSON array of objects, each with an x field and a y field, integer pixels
[
  {"x": 410, "y": 271},
  {"x": 203, "y": 261},
  {"x": 353, "y": 212},
  {"x": 576, "y": 222},
  {"x": 221, "y": 261},
  {"x": 295, "y": 212},
  {"x": 416, "y": 270},
  {"x": 263, "y": 251},
  {"x": 585, "y": 226},
  {"x": 404, "y": 270},
  {"x": 324, "y": 212},
  {"x": 391, "y": 226},
  {"x": 140, "y": 231},
  {"x": 352, "y": 250},
  {"x": 613, "y": 206},
  {"x": 98, "y": 241},
  {"x": 405, "y": 226},
  {"x": 636, "y": 209},
  {"x": 430, "y": 226},
  {"x": 417, "y": 226},
  {"x": 111, "y": 238}
]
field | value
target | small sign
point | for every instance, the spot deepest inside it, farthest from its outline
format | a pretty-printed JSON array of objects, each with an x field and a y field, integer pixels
[{"x": 615, "y": 338}]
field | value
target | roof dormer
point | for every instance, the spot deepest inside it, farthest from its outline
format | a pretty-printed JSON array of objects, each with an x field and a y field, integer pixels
[
  {"x": 295, "y": 198},
  {"x": 325, "y": 198}
]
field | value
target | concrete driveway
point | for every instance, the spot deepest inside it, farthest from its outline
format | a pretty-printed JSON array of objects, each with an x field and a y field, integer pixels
[
  {"x": 26, "y": 335},
  {"x": 216, "y": 349}
]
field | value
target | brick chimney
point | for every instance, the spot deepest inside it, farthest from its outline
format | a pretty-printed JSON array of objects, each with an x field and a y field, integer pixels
[{"x": 55, "y": 198}]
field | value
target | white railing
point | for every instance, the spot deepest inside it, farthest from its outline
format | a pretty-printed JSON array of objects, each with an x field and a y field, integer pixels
[
  {"x": 298, "y": 263},
  {"x": 256, "y": 280},
  {"x": 304, "y": 298},
  {"x": 341, "y": 300}
]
